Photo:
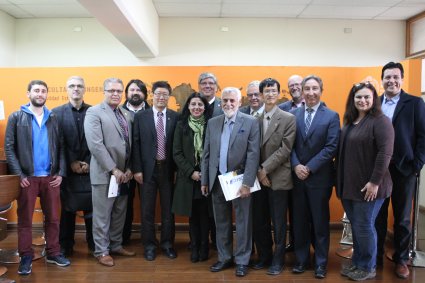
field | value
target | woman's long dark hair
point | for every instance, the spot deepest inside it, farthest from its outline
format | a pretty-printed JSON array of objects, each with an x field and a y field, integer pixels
[
  {"x": 186, "y": 113},
  {"x": 351, "y": 112}
]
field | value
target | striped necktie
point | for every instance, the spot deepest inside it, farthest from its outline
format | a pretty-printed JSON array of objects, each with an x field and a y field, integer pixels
[{"x": 308, "y": 119}]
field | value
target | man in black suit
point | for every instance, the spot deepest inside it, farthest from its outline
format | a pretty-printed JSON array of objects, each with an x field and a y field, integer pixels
[
  {"x": 154, "y": 169},
  {"x": 407, "y": 114},
  {"x": 135, "y": 94},
  {"x": 207, "y": 84},
  {"x": 76, "y": 189}
]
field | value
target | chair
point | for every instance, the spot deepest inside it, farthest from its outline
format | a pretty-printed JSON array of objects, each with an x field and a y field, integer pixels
[
  {"x": 346, "y": 244},
  {"x": 9, "y": 191}
]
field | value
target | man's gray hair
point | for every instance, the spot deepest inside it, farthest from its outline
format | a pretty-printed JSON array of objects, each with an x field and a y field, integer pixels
[
  {"x": 206, "y": 75},
  {"x": 253, "y": 83},
  {"x": 76, "y": 78},
  {"x": 231, "y": 89},
  {"x": 112, "y": 80}
]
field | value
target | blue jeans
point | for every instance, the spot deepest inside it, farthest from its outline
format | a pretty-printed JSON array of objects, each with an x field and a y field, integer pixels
[{"x": 362, "y": 215}]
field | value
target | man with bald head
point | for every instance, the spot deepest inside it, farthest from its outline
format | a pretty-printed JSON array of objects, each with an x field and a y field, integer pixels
[{"x": 294, "y": 87}]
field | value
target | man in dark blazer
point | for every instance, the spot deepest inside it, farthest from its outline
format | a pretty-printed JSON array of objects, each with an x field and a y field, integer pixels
[
  {"x": 108, "y": 134},
  {"x": 316, "y": 142},
  {"x": 76, "y": 187},
  {"x": 278, "y": 129},
  {"x": 256, "y": 104},
  {"x": 207, "y": 85},
  {"x": 154, "y": 169},
  {"x": 231, "y": 144},
  {"x": 407, "y": 114},
  {"x": 294, "y": 88},
  {"x": 136, "y": 94}
]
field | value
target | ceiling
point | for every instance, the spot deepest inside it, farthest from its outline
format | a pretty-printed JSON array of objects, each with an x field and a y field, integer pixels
[{"x": 317, "y": 9}]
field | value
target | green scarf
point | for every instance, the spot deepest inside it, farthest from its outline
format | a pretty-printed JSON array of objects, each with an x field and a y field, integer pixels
[{"x": 197, "y": 126}]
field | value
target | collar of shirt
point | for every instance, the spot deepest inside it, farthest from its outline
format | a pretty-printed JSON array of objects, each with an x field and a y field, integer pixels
[
  {"x": 211, "y": 101},
  {"x": 227, "y": 120},
  {"x": 133, "y": 109},
  {"x": 270, "y": 114},
  {"x": 294, "y": 105},
  {"x": 83, "y": 106},
  {"x": 259, "y": 111},
  {"x": 395, "y": 99},
  {"x": 315, "y": 107}
]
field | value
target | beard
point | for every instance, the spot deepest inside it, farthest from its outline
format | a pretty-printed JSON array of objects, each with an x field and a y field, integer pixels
[
  {"x": 229, "y": 113},
  {"x": 136, "y": 100},
  {"x": 35, "y": 103}
]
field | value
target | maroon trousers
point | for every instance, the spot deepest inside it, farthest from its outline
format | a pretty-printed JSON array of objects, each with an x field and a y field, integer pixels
[{"x": 50, "y": 204}]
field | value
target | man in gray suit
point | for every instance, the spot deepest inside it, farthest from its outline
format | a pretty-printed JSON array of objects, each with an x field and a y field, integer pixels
[
  {"x": 232, "y": 143},
  {"x": 108, "y": 135}
]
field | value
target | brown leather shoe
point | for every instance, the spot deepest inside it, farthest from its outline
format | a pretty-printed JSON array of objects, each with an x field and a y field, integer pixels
[
  {"x": 123, "y": 252},
  {"x": 402, "y": 270},
  {"x": 106, "y": 260}
]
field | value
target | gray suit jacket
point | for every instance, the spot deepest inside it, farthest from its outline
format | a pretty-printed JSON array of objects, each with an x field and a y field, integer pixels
[
  {"x": 244, "y": 149},
  {"x": 276, "y": 147},
  {"x": 106, "y": 142}
]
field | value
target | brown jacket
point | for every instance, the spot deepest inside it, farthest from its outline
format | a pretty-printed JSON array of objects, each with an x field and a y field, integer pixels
[
  {"x": 364, "y": 156},
  {"x": 276, "y": 147}
]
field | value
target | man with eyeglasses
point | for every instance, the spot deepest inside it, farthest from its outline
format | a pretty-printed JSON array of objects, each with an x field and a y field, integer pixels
[
  {"x": 34, "y": 151},
  {"x": 407, "y": 113},
  {"x": 76, "y": 187},
  {"x": 255, "y": 99},
  {"x": 109, "y": 135},
  {"x": 154, "y": 169},
  {"x": 294, "y": 87},
  {"x": 136, "y": 94},
  {"x": 207, "y": 84}
]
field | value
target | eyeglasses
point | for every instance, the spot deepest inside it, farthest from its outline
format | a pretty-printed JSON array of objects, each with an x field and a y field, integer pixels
[
  {"x": 112, "y": 91},
  {"x": 256, "y": 94},
  {"x": 74, "y": 86},
  {"x": 161, "y": 94},
  {"x": 294, "y": 85},
  {"x": 271, "y": 92}
]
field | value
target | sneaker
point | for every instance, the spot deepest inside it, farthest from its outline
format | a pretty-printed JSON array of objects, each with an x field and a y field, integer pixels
[
  {"x": 58, "y": 260},
  {"x": 360, "y": 275},
  {"x": 347, "y": 269},
  {"x": 25, "y": 265}
]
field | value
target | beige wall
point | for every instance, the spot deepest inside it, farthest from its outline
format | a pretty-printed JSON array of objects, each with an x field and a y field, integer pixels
[{"x": 199, "y": 42}]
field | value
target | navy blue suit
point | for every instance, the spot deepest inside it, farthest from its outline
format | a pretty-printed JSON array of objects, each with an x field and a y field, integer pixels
[
  {"x": 286, "y": 106},
  {"x": 407, "y": 161},
  {"x": 310, "y": 197}
]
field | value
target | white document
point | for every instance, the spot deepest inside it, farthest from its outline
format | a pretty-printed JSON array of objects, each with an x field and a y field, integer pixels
[
  {"x": 113, "y": 187},
  {"x": 231, "y": 183}
]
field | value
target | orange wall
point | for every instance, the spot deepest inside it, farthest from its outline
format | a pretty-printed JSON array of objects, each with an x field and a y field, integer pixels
[{"x": 337, "y": 82}]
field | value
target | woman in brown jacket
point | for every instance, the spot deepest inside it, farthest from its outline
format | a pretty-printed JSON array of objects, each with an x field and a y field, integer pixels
[{"x": 363, "y": 179}]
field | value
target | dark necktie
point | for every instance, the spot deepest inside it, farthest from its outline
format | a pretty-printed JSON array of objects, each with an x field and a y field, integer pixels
[
  {"x": 308, "y": 119},
  {"x": 160, "y": 137},
  {"x": 124, "y": 129}
]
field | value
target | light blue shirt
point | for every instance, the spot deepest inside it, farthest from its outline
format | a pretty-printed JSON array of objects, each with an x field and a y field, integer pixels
[{"x": 389, "y": 105}]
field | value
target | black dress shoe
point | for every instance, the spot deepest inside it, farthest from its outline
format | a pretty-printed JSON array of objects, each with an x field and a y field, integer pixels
[
  {"x": 289, "y": 247},
  {"x": 220, "y": 265},
  {"x": 170, "y": 253},
  {"x": 320, "y": 272},
  {"x": 275, "y": 269},
  {"x": 298, "y": 268},
  {"x": 194, "y": 255},
  {"x": 241, "y": 270},
  {"x": 260, "y": 264},
  {"x": 150, "y": 255}
]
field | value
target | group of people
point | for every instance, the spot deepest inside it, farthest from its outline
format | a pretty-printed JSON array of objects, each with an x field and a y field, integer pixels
[{"x": 93, "y": 158}]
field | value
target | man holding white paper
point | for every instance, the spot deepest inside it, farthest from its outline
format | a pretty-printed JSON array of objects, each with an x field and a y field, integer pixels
[
  {"x": 108, "y": 135},
  {"x": 232, "y": 143}
]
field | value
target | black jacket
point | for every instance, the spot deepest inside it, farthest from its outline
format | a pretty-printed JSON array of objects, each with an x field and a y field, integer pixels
[{"x": 18, "y": 145}]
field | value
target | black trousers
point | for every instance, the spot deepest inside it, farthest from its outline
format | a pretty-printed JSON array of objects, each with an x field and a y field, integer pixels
[
  {"x": 159, "y": 183},
  {"x": 401, "y": 199},
  {"x": 67, "y": 229},
  {"x": 261, "y": 226},
  {"x": 199, "y": 225},
  {"x": 278, "y": 201},
  {"x": 128, "y": 225}
]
